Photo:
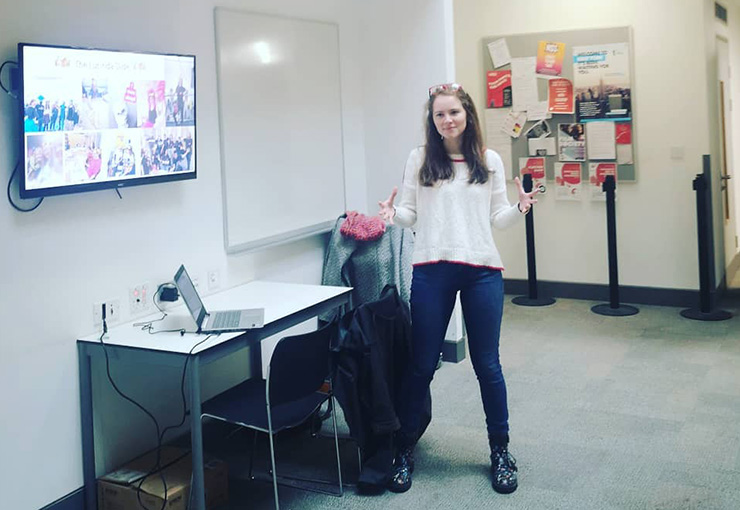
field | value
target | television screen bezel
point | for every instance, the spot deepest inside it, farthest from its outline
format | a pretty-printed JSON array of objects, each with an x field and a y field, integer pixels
[{"x": 97, "y": 186}]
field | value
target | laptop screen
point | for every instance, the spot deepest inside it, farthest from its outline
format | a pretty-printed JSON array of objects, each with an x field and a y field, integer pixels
[{"x": 190, "y": 295}]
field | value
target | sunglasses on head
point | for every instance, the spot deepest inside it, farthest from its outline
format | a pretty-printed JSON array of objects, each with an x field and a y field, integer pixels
[{"x": 443, "y": 87}]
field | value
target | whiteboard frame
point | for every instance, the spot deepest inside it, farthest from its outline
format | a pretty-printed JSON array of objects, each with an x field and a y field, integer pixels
[{"x": 299, "y": 233}]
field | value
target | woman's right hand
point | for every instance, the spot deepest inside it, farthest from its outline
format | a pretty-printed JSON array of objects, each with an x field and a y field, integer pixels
[{"x": 387, "y": 211}]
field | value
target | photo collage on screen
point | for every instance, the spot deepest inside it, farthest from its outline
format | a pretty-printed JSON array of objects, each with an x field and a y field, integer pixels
[{"x": 94, "y": 116}]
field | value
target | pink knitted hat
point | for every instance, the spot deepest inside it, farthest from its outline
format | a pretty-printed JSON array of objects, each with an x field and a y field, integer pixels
[{"x": 361, "y": 227}]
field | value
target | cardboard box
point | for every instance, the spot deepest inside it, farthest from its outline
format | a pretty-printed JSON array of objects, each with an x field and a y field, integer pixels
[{"x": 118, "y": 490}]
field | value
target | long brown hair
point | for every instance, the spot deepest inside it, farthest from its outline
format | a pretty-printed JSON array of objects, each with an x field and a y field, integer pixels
[{"x": 437, "y": 165}]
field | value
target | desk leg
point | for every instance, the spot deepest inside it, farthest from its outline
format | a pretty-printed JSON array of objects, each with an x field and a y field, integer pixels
[
  {"x": 255, "y": 361},
  {"x": 86, "y": 418},
  {"x": 196, "y": 435}
]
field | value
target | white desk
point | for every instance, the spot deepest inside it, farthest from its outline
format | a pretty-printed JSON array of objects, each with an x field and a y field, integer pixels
[{"x": 285, "y": 304}]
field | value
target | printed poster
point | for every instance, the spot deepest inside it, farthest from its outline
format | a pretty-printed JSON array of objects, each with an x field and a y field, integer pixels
[
  {"x": 550, "y": 58},
  {"x": 601, "y": 82},
  {"x": 597, "y": 173},
  {"x": 498, "y": 84},
  {"x": 571, "y": 142},
  {"x": 568, "y": 181},
  {"x": 560, "y": 91},
  {"x": 535, "y": 167}
]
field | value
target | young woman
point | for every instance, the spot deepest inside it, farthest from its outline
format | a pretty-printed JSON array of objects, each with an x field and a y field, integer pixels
[{"x": 454, "y": 192}]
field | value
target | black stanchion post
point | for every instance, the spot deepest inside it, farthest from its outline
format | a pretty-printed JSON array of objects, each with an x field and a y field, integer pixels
[
  {"x": 704, "y": 226},
  {"x": 613, "y": 309},
  {"x": 532, "y": 299}
]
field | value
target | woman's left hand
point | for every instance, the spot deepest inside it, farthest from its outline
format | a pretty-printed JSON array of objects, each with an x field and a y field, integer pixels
[{"x": 526, "y": 200}]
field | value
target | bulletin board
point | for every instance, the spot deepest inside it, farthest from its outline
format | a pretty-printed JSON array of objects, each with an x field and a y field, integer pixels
[
  {"x": 600, "y": 100},
  {"x": 280, "y": 118}
]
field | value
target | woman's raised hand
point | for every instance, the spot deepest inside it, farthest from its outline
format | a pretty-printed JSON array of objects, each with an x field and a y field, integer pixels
[
  {"x": 387, "y": 211},
  {"x": 526, "y": 200}
]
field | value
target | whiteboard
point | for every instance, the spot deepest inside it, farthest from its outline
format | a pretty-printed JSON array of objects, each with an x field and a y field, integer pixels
[{"x": 282, "y": 158}]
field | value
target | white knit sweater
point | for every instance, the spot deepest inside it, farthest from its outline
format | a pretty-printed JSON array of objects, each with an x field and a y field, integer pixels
[{"x": 454, "y": 218}]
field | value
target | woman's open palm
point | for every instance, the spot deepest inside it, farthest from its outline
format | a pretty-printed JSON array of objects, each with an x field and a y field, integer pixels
[{"x": 387, "y": 211}]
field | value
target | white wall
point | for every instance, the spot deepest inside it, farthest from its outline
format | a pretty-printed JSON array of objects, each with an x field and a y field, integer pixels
[
  {"x": 713, "y": 28},
  {"x": 656, "y": 219},
  {"x": 733, "y": 11},
  {"x": 78, "y": 249},
  {"x": 408, "y": 48}
]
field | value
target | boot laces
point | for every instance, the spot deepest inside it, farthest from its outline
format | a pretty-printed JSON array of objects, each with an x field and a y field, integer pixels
[{"x": 503, "y": 460}]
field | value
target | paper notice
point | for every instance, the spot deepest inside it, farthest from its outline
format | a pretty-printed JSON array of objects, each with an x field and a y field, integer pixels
[
  {"x": 539, "y": 111},
  {"x": 568, "y": 181},
  {"x": 499, "y": 52},
  {"x": 601, "y": 140},
  {"x": 514, "y": 123},
  {"x": 542, "y": 146},
  {"x": 523, "y": 83},
  {"x": 497, "y": 139},
  {"x": 624, "y": 154}
]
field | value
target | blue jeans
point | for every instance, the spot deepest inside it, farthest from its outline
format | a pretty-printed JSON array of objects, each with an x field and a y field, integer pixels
[{"x": 433, "y": 291}]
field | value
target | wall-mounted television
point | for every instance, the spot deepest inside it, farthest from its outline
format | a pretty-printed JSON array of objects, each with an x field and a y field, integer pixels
[{"x": 98, "y": 119}]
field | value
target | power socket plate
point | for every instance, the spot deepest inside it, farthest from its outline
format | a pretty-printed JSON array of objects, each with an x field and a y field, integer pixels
[
  {"x": 140, "y": 298},
  {"x": 112, "y": 312},
  {"x": 213, "y": 279}
]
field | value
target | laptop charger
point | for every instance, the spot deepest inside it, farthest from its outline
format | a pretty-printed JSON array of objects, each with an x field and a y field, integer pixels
[{"x": 168, "y": 293}]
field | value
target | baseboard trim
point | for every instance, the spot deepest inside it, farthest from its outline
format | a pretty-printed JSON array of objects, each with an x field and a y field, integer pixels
[
  {"x": 732, "y": 268},
  {"x": 73, "y": 501},
  {"x": 599, "y": 292}
]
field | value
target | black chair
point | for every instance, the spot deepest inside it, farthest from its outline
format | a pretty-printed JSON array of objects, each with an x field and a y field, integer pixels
[{"x": 290, "y": 395}]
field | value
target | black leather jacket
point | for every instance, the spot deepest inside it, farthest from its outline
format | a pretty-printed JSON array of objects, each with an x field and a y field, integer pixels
[{"x": 371, "y": 353}]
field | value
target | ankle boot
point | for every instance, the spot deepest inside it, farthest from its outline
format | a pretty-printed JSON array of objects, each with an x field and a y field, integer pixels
[
  {"x": 403, "y": 466},
  {"x": 503, "y": 466}
]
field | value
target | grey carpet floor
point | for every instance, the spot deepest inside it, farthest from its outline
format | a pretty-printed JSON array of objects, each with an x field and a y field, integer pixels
[{"x": 639, "y": 412}]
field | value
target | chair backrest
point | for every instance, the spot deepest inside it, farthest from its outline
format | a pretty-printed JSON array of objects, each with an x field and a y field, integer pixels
[{"x": 299, "y": 365}]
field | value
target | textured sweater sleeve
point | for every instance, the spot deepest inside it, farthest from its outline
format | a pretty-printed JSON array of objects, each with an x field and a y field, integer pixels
[
  {"x": 503, "y": 214},
  {"x": 406, "y": 208}
]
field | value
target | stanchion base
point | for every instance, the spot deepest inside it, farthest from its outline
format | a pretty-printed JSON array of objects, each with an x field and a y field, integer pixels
[
  {"x": 698, "y": 315},
  {"x": 621, "y": 311},
  {"x": 527, "y": 301}
]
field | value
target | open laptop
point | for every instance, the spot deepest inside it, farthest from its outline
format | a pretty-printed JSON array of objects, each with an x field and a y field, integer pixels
[{"x": 219, "y": 321}]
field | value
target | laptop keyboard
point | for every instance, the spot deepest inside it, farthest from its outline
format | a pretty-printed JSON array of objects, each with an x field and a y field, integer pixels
[{"x": 226, "y": 319}]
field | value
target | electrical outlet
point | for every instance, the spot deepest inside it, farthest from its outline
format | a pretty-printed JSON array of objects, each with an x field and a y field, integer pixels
[
  {"x": 196, "y": 281},
  {"x": 139, "y": 298},
  {"x": 213, "y": 280},
  {"x": 112, "y": 312}
]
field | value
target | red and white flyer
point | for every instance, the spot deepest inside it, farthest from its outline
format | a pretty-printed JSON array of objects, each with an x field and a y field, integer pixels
[
  {"x": 560, "y": 96},
  {"x": 568, "y": 181},
  {"x": 597, "y": 173},
  {"x": 624, "y": 143},
  {"x": 498, "y": 84},
  {"x": 534, "y": 166},
  {"x": 550, "y": 57}
]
